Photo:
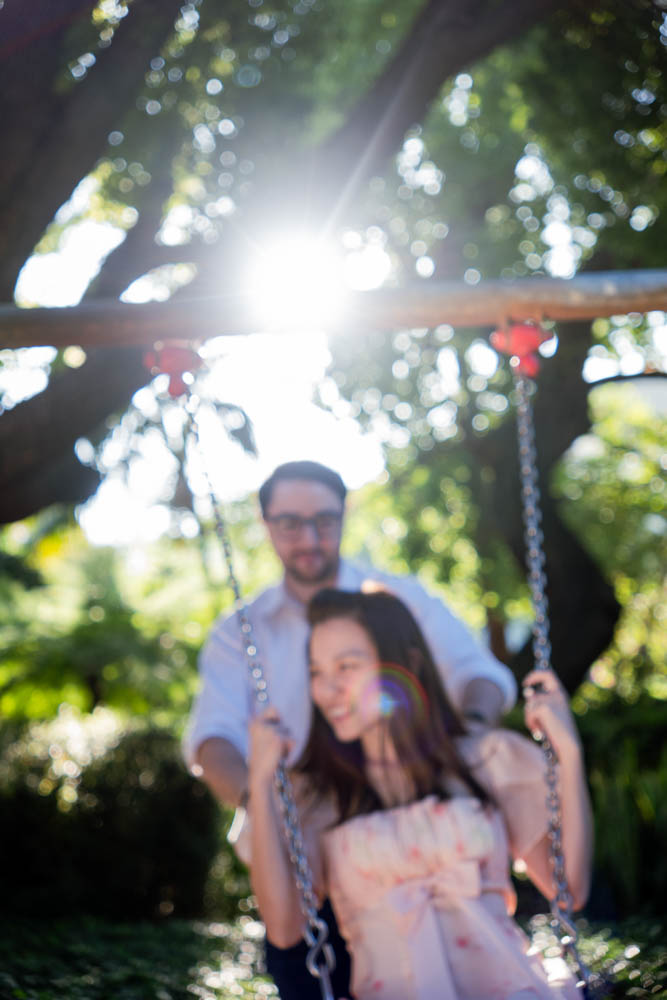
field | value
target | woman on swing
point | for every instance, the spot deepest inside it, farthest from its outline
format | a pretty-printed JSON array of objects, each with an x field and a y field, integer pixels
[{"x": 409, "y": 820}]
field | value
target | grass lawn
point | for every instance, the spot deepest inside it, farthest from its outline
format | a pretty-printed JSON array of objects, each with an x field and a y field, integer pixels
[{"x": 88, "y": 959}]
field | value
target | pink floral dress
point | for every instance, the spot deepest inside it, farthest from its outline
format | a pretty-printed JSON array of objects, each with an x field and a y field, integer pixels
[{"x": 422, "y": 892}]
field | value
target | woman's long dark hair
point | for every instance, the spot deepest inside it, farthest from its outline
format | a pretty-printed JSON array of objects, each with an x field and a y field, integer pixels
[{"x": 421, "y": 722}]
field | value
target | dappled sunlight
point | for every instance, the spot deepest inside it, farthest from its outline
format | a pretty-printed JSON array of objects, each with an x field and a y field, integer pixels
[
  {"x": 236, "y": 968},
  {"x": 23, "y": 374},
  {"x": 619, "y": 350},
  {"x": 482, "y": 358},
  {"x": 60, "y": 278},
  {"x": 160, "y": 284},
  {"x": 271, "y": 379},
  {"x": 67, "y": 745},
  {"x": 85, "y": 230},
  {"x": 118, "y": 516}
]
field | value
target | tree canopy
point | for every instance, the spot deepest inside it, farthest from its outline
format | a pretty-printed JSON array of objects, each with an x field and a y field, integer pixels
[{"x": 457, "y": 140}]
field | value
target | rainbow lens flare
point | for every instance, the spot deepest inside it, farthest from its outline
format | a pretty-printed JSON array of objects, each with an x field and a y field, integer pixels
[{"x": 396, "y": 689}]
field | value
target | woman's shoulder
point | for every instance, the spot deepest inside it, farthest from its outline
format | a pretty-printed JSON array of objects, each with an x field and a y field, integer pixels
[
  {"x": 512, "y": 768},
  {"x": 502, "y": 757}
]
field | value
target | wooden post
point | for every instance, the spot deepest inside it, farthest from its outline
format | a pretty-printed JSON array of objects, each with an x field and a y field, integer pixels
[{"x": 428, "y": 304}]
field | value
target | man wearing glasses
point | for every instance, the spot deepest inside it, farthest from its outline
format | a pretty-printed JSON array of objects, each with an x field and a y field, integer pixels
[{"x": 302, "y": 505}]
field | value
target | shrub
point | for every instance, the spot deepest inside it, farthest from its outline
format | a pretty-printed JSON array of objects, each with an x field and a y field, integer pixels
[
  {"x": 626, "y": 760},
  {"x": 129, "y": 834}
]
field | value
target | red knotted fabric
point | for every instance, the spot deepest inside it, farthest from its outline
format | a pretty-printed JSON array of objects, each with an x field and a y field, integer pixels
[
  {"x": 174, "y": 361},
  {"x": 521, "y": 341}
]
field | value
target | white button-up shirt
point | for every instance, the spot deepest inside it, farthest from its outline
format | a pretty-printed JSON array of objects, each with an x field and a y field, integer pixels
[{"x": 280, "y": 632}]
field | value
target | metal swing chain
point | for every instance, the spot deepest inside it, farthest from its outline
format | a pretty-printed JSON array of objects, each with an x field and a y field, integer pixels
[
  {"x": 320, "y": 959},
  {"x": 561, "y": 905}
]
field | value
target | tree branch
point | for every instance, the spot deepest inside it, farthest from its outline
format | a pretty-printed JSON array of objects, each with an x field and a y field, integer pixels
[
  {"x": 43, "y": 468},
  {"x": 30, "y": 60},
  {"x": 72, "y": 128}
]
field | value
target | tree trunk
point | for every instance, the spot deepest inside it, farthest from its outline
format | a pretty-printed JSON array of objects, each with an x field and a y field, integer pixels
[
  {"x": 64, "y": 132},
  {"x": 583, "y": 608},
  {"x": 37, "y": 438}
]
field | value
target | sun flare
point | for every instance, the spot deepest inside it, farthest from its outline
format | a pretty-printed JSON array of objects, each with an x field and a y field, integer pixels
[{"x": 296, "y": 284}]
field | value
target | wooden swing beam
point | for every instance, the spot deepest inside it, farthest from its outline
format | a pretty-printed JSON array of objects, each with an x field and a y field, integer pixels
[{"x": 113, "y": 323}]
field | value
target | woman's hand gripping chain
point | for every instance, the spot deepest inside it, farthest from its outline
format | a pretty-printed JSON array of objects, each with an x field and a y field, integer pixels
[
  {"x": 270, "y": 743},
  {"x": 547, "y": 712}
]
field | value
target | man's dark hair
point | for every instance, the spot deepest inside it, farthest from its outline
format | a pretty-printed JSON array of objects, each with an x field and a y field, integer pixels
[{"x": 312, "y": 471}]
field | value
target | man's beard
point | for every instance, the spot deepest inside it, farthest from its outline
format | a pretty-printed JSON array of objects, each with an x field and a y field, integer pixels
[{"x": 327, "y": 569}]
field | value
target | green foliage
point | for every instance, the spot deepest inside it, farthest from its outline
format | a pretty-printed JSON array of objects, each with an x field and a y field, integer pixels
[
  {"x": 117, "y": 628},
  {"x": 227, "y": 891},
  {"x": 597, "y": 142},
  {"x": 614, "y": 477},
  {"x": 90, "y": 959},
  {"x": 512, "y": 153},
  {"x": 631, "y": 954},
  {"x": 218, "y": 66},
  {"x": 626, "y": 764},
  {"x": 78, "y": 641},
  {"x": 97, "y": 820},
  {"x": 613, "y": 491},
  {"x": 15, "y": 570},
  {"x": 614, "y": 160},
  {"x": 627, "y": 768},
  {"x": 565, "y": 128},
  {"x": 425, "y": 524}
]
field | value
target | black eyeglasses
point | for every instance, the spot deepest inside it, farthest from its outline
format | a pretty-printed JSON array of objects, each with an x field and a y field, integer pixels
[{"x": 326, "y": 523}]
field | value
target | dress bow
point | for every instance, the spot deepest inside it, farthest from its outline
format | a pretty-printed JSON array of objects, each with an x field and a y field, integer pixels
[{"x": 414, "y": 905}]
